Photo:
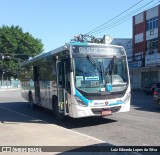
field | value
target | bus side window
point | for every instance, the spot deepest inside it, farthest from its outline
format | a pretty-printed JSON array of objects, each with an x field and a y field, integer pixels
[
  {"x": 60, "y": 74},
  {"x": 67, "y": 70},
  {"x": 68, "y": 86}
]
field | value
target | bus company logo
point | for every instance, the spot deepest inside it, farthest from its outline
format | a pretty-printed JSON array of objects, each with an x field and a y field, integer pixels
[
  {"x": 106, "y": 103},
  {"x": 6, "y": 149}
]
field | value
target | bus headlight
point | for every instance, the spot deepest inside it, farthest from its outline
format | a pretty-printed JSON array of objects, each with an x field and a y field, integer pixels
[
  {"x": 127, "y": 98},
  {"x": 79, "y": 101}
]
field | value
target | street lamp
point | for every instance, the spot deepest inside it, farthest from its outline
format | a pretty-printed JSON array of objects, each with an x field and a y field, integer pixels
[{"x": 2, "y": 57}]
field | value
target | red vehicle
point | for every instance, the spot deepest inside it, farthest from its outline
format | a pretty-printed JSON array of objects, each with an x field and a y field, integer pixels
[
  {"x": 156, "y": 97},
  {"x": 150, "y": 88}
]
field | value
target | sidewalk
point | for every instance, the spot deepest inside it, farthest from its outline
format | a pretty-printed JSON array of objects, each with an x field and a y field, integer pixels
[
  {"x": 50, "y": 138},
  {"x": 20, "y": 130},
  {"x": 5, "y": 88}
]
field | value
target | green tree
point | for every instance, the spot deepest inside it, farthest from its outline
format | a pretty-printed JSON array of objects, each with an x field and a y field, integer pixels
[{"x": 15, "y": 47}]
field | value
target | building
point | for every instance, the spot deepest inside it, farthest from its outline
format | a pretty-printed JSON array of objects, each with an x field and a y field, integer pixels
[
  {"x": 125, "y": 42},
  {"x": 145, "y": 66}
]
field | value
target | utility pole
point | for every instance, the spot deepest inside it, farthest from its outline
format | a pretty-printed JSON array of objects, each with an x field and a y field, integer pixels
[
  {"x": 2, "y": 70},
  {"x": 2, "y": 77}
]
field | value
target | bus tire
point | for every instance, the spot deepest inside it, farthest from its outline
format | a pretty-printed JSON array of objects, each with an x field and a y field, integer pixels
[
  {"x": 59, "y": 116},
  {"x": 32, "y": 105}
]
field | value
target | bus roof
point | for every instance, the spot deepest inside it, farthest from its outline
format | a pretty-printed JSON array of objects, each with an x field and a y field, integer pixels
[
  {"x": 62, "y": 48},
  {"x": 94, "y": 44},
  {"x": 43, "y": 55}
]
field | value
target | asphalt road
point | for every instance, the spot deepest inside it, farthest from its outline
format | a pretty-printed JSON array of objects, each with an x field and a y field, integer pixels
[{"x": 139, "y": 127}]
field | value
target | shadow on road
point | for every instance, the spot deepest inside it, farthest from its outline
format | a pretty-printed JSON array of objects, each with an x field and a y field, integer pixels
[
  {"x": 143, "y": 102},
  {"x": 10, "y": 112}
]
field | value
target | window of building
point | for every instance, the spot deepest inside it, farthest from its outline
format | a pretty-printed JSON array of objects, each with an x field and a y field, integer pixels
[
  {"x": 152, "y": 23},
  {"x": 152, "y": 44}
]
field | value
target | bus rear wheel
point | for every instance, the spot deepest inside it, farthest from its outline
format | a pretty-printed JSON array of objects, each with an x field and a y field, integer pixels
[{"x": 59, "y": 116}]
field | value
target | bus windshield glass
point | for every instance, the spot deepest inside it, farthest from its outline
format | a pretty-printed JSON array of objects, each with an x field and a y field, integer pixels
[{"x": 93, "y": 74}]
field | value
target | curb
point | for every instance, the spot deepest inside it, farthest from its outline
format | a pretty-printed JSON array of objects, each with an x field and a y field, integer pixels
[{"x": 9, "y": 89}]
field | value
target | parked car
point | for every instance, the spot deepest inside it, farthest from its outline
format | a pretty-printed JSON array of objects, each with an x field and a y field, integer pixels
[
  {"x": 149, "y": 89},
  {"x": 156, "y": 97}
]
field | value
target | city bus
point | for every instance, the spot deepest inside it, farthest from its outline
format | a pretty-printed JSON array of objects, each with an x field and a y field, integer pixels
[{"x": 79, "y": 79}]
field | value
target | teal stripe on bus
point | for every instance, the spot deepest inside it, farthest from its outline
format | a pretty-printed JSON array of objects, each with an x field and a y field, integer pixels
[{"x": 78, "y": 94}]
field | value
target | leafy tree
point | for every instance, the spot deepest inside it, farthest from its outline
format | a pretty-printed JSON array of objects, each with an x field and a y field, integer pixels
[{"x": 15, "y": 47}]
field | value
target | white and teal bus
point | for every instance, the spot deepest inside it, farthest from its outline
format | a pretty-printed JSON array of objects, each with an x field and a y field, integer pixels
[{"x": 78, "y": 79}]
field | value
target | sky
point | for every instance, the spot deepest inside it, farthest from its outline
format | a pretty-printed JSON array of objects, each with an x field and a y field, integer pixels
[{"x": 56, "y": 22}]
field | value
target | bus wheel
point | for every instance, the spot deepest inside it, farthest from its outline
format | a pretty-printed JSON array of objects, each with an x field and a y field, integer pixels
[
  {"x": 59, "y": 116},
  {"x": 31, "y": 101}
]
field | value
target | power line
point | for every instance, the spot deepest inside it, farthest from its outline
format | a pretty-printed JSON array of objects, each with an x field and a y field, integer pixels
[
  {"x": 115, "y": 17},
  {"x": 121, "y": 20}
]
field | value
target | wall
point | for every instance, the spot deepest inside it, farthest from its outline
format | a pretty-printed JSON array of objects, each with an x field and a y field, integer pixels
[{"x": 135, "y": 79}]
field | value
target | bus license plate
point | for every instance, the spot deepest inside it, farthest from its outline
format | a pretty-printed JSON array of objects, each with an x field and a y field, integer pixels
[{"x": 106, "y": 112}]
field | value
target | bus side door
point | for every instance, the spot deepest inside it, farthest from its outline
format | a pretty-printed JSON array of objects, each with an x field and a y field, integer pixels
[{"x": 61, "y": 86}]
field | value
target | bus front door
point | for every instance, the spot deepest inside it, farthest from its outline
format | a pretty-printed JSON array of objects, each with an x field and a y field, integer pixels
[{"x": 61, "y": 92}]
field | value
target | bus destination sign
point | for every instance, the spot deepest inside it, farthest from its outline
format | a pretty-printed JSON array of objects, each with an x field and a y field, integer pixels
[{"x": 100, "y": 50}]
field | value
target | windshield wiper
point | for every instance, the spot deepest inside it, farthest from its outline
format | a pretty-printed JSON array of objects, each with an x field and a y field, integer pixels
[
  {"x": 93, "y": 62},
  {"x": 110, "y": 66},
  {"x": 96, "y": 65}
]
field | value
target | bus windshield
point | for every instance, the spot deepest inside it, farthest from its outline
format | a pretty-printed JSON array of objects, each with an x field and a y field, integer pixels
[{"x": 93, "y": 74}]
